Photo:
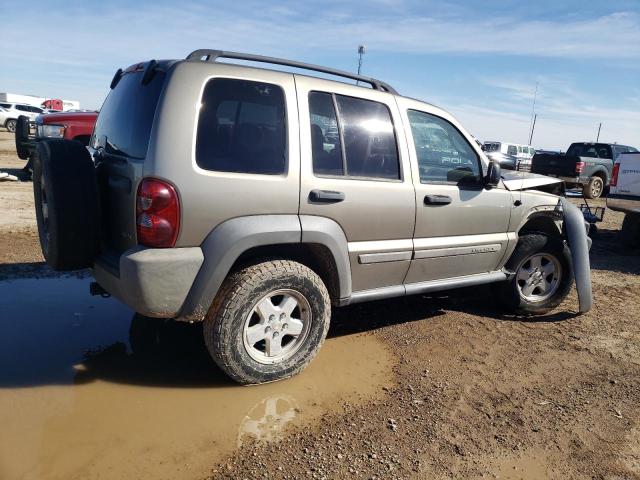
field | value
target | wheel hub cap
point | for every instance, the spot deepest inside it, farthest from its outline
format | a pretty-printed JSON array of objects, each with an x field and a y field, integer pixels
[
  {"x": 538, "y": 277},
  {"x": 277, "y": 326}
]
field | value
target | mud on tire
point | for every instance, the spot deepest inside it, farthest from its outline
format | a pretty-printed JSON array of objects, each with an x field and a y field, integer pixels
[
  {"x": 66, "y": 201},
  {"x": 235, "y": 308},
  {"x": 510, "y": 293}
]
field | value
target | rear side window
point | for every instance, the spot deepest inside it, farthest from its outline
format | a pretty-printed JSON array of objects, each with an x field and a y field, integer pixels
[
  {"x": 359, "y": 141},
  {"x": 444, "y": 155},
  {"x": 242, "y": 127},
  {"x": 325, "y": 136},
  {"x": 126, "y": 117}
]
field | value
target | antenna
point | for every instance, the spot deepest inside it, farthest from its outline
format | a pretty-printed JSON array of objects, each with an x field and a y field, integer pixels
[
  {"x": 598, "y": 137},
  {"x": 533, "y": 127},
  {"x": 361, "y": 52},
  {"x": 532, "y": 124}
]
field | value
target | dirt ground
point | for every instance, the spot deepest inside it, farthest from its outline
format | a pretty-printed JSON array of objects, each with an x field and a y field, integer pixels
[{"x": 466, "y": 392}]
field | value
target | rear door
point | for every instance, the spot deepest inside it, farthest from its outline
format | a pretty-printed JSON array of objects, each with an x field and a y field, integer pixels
[
  {"x": 461, "y": 227},
  {"x": 355, "y": 171},
  {"x": 119, "y": 146}
]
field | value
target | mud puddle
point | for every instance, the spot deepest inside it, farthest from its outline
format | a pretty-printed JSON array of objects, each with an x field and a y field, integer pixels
[{"x": 88, "y": 389}]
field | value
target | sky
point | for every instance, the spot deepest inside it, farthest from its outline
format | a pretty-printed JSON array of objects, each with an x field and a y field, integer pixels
[{"x": 478, "y": 59}]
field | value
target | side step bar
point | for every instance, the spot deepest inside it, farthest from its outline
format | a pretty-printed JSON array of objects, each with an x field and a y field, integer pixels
[{"x": 423, "y": 287}]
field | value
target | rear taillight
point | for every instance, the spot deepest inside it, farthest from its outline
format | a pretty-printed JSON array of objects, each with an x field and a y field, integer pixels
[
  {"x": 157, "y": 213},
  {"x": 579, "y": 167},
  {"x": 614, "y": 175}
]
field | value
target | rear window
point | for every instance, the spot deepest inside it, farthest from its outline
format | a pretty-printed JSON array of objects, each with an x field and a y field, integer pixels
[
  {"x": 126, "y": 117},
  {"x": 241, "y": 127},
  {"x": 593, "y": 150}
]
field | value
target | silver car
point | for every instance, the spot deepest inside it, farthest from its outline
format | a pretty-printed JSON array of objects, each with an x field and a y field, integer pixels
[{"x": 257, "y": 200}]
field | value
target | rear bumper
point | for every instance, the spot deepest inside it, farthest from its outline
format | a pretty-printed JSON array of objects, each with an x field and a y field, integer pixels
[
  {"x": 624, "y": 203},
  {"x": 152, "y": 281}
]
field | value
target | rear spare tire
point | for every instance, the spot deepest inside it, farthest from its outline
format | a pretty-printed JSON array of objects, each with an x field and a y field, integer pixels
[
  {"x": 22, "y": 136},
  {"x": 66, "y": 201}
]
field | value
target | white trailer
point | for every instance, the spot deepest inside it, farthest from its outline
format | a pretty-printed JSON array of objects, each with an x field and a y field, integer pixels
[
  {"x": 27, "y": 99},
  {"x": 37, "y": 101}
]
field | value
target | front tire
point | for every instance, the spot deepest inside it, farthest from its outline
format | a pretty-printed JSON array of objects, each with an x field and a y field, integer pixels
[
  {"x": 268, "y": 321},
  {"x": 542, "y": 275}
]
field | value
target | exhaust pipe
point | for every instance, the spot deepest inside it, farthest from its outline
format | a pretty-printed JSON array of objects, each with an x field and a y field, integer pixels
[{"x": 579, "y": 244}]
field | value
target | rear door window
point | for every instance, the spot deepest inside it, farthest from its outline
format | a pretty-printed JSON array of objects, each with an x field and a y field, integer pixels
[
  {"x": 124, "y": 125},
  {"x": 512, "y": 150},
  {"x": 356, "y": 141},
  {"x": 242, "y": 127}
]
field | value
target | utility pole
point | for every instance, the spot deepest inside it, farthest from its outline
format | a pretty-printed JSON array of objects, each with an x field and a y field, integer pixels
[
  {"x": 533, "y": 113},
  {"x": 598, "y": 137},
  {"x": 533, "y": 126}
]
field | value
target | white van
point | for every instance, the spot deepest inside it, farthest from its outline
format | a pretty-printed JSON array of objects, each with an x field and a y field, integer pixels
[{"x": 522, "y": 153}]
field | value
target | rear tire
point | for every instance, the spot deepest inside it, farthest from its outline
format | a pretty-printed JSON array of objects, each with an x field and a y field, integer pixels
[
  {"x": 631, "y": 230},
  {"x": 542, "y": 276},
  {"x": 66, "y": 200},
  {"x": 10, "y": 125},
  {"x": 594, "y": 188},
  {"x": 268, "y": 321}
]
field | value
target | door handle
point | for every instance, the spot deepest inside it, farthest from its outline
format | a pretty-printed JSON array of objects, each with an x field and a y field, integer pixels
[
  {"x": 326, "y": 196},
  {"x": 437, "y": 199}
]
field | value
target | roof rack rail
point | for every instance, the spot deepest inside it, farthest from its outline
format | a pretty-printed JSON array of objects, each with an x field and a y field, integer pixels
[{"x": 212, "y": 55}]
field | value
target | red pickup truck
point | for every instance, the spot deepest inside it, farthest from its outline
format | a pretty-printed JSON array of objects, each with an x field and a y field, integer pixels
[{"x": 68, "y": 125}]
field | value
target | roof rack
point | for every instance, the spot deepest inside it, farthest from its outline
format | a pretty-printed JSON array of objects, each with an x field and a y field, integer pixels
[{"x": 207, "y": 55}]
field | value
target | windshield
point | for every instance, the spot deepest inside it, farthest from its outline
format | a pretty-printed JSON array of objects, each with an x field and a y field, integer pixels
[{"x": 126, "y": 117}]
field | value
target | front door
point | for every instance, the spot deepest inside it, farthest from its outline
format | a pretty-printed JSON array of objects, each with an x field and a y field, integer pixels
[
  {"x": 355, "y": 170},
  {"x": 461, "y": 226}
]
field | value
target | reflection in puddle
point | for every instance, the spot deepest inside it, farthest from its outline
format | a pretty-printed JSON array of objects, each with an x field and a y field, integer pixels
[
  {"x": 265, "y": 422},
  {"x": 87, "y": 389}
]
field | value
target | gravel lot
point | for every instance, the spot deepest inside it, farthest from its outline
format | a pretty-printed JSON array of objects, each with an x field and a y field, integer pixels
[{"x": 471, "y": 393}]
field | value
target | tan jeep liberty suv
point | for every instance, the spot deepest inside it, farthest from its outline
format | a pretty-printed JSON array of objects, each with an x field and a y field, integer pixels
[{"x": 257, "y": 200}]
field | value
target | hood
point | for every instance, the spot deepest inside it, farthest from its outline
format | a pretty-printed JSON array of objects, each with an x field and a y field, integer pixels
[
  {"x": 65, "y": 117},
  {"x": 524, "y": 180}
]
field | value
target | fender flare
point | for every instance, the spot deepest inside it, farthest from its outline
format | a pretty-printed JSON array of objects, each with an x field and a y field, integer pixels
[
  {"x": 574, "y": 226},
  {"x": 603, "y": 171},
  {"x": 229, "y": 240}
]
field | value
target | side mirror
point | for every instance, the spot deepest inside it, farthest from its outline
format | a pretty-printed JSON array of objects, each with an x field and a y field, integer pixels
[{"x": 493, "y": 175}]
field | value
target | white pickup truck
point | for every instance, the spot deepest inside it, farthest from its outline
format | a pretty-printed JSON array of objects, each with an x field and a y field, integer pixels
[{"x": 624, "y": 195}]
